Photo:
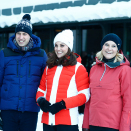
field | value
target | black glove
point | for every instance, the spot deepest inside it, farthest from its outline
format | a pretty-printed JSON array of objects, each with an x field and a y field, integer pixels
[
  {"x": 85, "y": 129},
  {"x": 44, "y": 104},
  {"x": 57, "y": 107}
]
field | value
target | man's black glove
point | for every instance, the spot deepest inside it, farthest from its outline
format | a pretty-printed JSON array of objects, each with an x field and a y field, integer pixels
[
  {"x": 44, "y": 104},
  {"x": 57, "y": 107}
]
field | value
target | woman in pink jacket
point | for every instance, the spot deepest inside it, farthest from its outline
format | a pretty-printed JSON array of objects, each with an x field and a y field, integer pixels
[
  {"x": 109, "y": 107},
  {"x": 63, "y": 87}
]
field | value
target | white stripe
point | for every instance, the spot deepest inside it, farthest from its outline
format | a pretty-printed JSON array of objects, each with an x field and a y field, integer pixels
[
  {"x": 77, "y": 65},
  {"x": 41, "y": 90},
  {"x": 74, "y": 115},
  {"x": 46, "y": 82},
  {"x": 72, "y": 91},
  {"x": 54, "y": 92},
  {"x": 86, "y": 92}
]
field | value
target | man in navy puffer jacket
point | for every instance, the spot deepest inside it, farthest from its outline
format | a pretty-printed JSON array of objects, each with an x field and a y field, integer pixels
[{"x": 21, "y": 66}]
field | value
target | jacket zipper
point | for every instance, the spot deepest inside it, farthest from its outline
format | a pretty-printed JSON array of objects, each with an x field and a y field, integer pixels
[
  {"x": 29, "y": 68},
  {"x": 17, "y": 67},
  {"x": 103, "y": 72}
]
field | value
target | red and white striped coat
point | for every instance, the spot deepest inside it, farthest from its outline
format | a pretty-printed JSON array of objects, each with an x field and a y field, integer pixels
[{"x": 68, "y": 83}]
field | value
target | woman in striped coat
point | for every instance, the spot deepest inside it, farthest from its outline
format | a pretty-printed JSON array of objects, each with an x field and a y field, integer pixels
[{"x": 63, "y": 87}]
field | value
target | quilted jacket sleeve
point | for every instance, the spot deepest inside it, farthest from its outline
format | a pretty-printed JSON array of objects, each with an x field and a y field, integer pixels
[
  {"x": 42, "y": 87},
  {"x": 82, "y": 85},
  {"x": 125, "y": 80},
  {"x": 44, "y": 61},
  {"x": 1, "y": 67}
]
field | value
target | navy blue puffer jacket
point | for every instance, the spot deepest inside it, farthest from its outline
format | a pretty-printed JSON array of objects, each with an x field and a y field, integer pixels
[{"x": 20, "y": 75}]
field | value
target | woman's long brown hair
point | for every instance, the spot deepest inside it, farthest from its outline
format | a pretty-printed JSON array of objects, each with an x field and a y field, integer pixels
[{"x": 68, "y": 59}]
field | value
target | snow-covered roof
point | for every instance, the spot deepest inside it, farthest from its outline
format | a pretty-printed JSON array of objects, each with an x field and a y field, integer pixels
[
  {"x": 21, "y": 3},
  {"x": 71, "y": 14}
]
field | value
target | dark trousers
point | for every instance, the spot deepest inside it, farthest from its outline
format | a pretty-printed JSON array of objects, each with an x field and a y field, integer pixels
[
  {"x": 60, "y": 128},
  {"x": 97, "y": 128},
  {"x": 19, "y": 121}
]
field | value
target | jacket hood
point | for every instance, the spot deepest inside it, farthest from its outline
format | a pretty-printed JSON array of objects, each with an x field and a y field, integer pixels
[
  {"x": 116, "y": 64},
  {"x": 36, "y": 43},
  {"x": 78, "y": 58}
]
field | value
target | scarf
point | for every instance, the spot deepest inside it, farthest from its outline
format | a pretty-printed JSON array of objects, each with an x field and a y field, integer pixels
[
  {"x": 24, "y": 48},
  {"x": 108, "y": 60}
]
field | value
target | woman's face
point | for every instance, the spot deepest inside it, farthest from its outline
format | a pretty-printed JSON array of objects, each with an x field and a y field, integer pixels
[
  {"x": 60, "y": 49},
  {"x": 109, "y": 49}
]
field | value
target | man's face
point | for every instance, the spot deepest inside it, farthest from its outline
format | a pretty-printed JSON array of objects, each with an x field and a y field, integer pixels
[{"x": 22, "y": 38}]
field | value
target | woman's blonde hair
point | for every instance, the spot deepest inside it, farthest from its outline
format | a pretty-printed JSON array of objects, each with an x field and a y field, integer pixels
[{"x": 119, "y": 57}]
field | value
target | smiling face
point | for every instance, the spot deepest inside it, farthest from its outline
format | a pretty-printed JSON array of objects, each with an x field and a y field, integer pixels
[
  {"x": 60, "y": 49},
  {"x": 22, "y": 38},
  {"x": 109, "y": 49}
]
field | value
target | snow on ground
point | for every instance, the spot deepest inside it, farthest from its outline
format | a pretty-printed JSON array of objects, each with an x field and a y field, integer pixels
[{"x": 39, "y": 124}]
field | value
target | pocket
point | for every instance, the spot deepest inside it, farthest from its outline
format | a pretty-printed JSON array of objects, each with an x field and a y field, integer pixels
[
  {"x": 4, "y": 91},
  {"x": 100, "y": 94},
  {"x": 108, "y": 86}
]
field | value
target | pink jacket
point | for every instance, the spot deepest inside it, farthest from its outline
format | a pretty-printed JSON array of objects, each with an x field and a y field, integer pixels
[{"x": 110, "y": 102}]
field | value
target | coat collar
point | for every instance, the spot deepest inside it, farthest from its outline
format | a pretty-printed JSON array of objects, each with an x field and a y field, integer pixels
[
  {"x": 33, "y": 51},
  {"x": 78, "y": 58},
  {"x": 116, "y": 64}
]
